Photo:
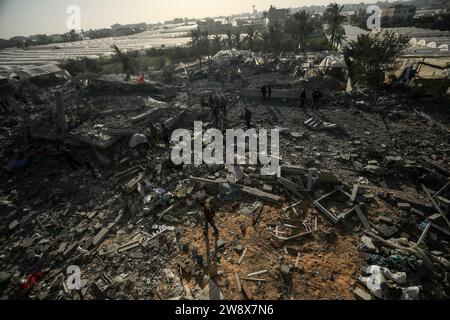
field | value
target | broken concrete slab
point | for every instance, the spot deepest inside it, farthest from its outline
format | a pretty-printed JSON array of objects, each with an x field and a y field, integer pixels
[
  {"x": 261, "y": 195},
  {"x": 362, "y": 294},
  {"x": 367, "y": 244},
  {"x": 101, "y": 235},
  {"x": 387, "y": 231}
]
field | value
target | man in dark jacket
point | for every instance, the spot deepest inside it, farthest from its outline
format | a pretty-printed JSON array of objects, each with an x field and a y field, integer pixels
[
  {"x": 317, "y": 95},
  {"x": 248, "y": 118},
  {"x": 303, "y": 99},
  {"x": 209, "y": 211},
  {"x": 263, "y": 92}
]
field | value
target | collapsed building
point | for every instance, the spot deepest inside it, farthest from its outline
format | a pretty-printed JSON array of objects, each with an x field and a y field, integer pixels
[{"x": 359, "y": 207}]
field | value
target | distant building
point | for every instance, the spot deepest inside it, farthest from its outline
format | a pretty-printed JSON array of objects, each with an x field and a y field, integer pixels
[
  {"x": 398, "y": 12},
  {"x": 176, "y": 21},
  {"x": 117, "y": 26},
  {"x": 242, "y": 22},
  {"x": 277, "y": 16},
  {"x": 212, "y": 25},
  {"x": 128, "y": 29}
]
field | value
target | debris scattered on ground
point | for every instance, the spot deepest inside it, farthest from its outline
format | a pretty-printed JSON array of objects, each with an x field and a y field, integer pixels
[{"x": 359, "y": 210}]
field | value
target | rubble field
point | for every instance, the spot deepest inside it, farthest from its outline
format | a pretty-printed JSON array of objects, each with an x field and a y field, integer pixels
[{"x": 359, "y": 209}]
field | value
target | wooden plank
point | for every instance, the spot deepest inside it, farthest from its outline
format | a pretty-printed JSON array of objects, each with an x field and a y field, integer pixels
[
  {"x": 242, "y": 256},
  {"x": 297, "y": 260},
  {"x": 354, "y": 193},
  {"x": 250, "y": 275},
  {"x": 437, "y": 194},
  {"x": 196, "y": 179},
  {"x": 247, "y": 293},
  {"x": 363, "y": 218},
  {"x": 424, "y": 234},
  {"x": 238, "y": 282},
  {"x": 254, "y": 279},
  {"x": 124, "y": 174}
]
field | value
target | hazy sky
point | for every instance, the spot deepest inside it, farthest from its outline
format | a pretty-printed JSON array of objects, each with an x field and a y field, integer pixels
[{"x": 26, "y": 17}]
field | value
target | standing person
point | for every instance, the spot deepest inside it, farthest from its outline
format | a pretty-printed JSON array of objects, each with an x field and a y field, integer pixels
[
  {"x": 18, "y": 92},
  {"x": 269, "y": 90},
  {"x": 248, "y": 118},
  {"x": 263, "y": 92},
  {"x": 210, "y": 213},
  {"x": 70, "y": 160},
  {"x": 303, "y": 99},
  {"x": 317, "y": 95}
]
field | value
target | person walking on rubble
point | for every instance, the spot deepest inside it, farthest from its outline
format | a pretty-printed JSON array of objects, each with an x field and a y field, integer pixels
[
  {"x": 248, "y": 118},
  {"x": 303, "y": 99},
  {"x": 263, "y": 92},
  {"x": 67, "y": 155},
  {"x": 317, "y": 95},
  {"x": 18, "y": 92},
  {"x": 269, "y": 91},
  {"x": 209, "y": 211}
]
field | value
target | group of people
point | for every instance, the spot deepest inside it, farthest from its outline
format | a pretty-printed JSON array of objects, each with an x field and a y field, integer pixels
[
  {"x": 218, "y": 104},
  {"x": 266, "y": 92},
  {"x": 316, "y": 96}
]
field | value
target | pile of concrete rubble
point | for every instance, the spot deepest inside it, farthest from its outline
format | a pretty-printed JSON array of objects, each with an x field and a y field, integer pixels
[{"x": 359, "y": 208}]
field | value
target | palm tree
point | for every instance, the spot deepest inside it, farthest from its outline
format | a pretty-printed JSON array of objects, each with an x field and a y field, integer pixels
[
  {"x": 217, "y": 40},
  {"x": 125, "y": 60},
  {"x": 265, "y": 15},
  {"x": 204, "y": 41},
  {"x": 229, "y": 34},
  {"x": 196, "y": 36},
  {"x": 252, "y": 33},
  {"x": 274, "y": 36},
  {"x": 372, "y": 55},
  {"x": 265, "y": 37},
  {"x": 73, "y": 35},
  {"x": 300, "y": 27},
  {"x": 334, "y": 19}
]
